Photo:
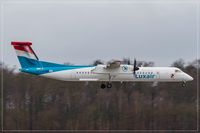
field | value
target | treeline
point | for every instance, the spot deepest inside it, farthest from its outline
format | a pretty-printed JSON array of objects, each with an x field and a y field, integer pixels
[{"x": 36, "y": 103}]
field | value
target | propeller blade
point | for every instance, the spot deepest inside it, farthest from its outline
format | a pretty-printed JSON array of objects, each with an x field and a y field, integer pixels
[
  {"x": 135, "y": 68},
  {"x": 135, "y": 63}
]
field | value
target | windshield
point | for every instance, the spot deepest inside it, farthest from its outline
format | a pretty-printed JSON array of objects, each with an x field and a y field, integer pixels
[{"x": 177, "y": 70}]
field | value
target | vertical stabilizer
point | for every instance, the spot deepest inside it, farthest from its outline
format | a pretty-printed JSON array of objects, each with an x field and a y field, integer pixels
[{"x": 26, "y": 55}]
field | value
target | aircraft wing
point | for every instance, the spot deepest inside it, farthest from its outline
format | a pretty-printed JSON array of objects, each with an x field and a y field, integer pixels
[
  {"x": 113, "y": 64},
  {"x": 111, "y": 67}
]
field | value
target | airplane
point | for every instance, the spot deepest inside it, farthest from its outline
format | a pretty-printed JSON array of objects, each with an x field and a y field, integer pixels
[{"x": 113, "y": 71}]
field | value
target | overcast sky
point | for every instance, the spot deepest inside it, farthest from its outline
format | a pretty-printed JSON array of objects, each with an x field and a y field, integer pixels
[{"x": 80, "y": 33}]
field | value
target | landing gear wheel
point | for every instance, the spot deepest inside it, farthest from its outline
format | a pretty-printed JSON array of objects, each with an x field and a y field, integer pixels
[
  {"x": 103, "y": 86},
  {"x": 109, "y": 85},
  {"x": 184, "y": 84}
]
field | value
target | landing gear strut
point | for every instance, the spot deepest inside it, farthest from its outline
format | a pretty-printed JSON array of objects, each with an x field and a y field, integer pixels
[{"x": 109, "y": 85}]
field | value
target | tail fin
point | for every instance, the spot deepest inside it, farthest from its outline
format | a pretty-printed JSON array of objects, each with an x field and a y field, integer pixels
[{"x": 26, "y": 56}]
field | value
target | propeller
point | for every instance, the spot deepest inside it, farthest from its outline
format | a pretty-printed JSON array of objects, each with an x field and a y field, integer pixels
[{"x": 135, "y": 68}]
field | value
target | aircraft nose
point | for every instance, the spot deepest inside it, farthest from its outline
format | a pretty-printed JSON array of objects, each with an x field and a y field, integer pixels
[{"x": 189, "y": 78}]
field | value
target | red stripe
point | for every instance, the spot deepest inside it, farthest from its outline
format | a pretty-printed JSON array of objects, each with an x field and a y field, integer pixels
[
  {"x": 23, "y": 48},
  {"x": 21, "y": 43}
]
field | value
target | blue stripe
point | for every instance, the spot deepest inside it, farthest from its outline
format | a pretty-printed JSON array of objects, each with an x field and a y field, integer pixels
[
  {"x": 40, "y": 67},
  {"x": 38, "y": 71},
  {"x": 27, "y": 62}
]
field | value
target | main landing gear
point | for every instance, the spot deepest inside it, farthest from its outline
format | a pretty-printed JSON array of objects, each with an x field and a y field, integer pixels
[{"x": 108, "y": 85}]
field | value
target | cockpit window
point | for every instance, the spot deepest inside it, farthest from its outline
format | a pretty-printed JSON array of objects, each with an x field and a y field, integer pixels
[{"x": 177, "y": 71}]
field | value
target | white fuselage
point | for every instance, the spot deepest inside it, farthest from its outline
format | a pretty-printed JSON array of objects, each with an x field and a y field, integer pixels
[
  {"x": 123, "y": 73},
  {"x": 113, "y": 71}
]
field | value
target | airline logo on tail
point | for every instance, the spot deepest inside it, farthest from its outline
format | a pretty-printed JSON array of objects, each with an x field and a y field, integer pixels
[
  {"x": 25, "y": 54},
  {"x": 23, "y": 49},
  {"x": 31, "y": 64}
]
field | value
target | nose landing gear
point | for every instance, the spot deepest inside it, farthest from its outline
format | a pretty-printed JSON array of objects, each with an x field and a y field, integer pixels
[{"x": 184, "y": 84}]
